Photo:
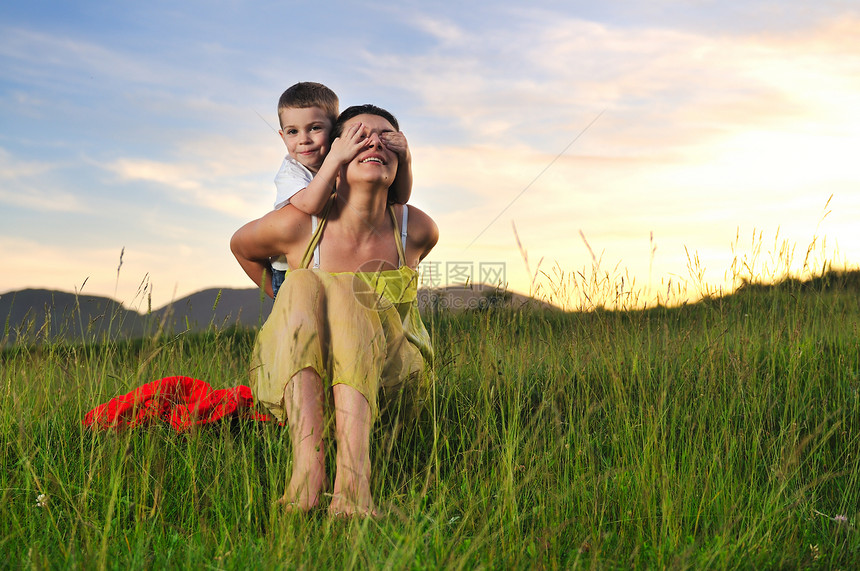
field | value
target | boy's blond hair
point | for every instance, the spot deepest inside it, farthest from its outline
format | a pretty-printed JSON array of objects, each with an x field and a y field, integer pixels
[{"x": 310, "y": 94}]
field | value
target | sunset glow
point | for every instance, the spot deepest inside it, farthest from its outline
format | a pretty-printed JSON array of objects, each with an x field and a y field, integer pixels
[{"x": 611, "y": 138}]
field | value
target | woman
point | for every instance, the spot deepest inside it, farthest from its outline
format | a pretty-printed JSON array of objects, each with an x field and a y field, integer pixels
[{"x": 345, "y": 317}]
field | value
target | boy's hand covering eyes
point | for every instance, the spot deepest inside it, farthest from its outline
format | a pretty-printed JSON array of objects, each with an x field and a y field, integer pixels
[
  {"x": 396, "y": 141},
  {"x": 346, "y": 147}
]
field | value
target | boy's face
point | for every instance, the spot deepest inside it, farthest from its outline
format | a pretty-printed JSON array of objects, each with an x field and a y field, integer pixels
[{"x": 306, "y": 133}]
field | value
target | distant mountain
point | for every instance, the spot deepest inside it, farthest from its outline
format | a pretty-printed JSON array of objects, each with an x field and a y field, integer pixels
[
  {"x": 475, "y": 297},
  {"x": 34, "y": 315},
  {"x": 39, "y": 314},
  {"x": 220, "y": 307}
]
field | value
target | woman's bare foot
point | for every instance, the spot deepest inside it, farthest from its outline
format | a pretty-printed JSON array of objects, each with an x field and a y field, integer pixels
[
  {"x": 352, "y": 498},
  {"x": 303, "y": 493},
  {"x": 347, "y": 510}
]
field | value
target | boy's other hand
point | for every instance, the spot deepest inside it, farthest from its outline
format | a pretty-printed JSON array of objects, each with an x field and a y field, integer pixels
[{"x": 396, "y": 141}]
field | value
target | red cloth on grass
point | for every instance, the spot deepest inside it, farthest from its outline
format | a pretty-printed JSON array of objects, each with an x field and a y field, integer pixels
[{"x": 182, "y": 401}]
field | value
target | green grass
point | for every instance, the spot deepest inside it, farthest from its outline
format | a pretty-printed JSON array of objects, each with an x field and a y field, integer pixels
[{"x": 723, "y": 434}]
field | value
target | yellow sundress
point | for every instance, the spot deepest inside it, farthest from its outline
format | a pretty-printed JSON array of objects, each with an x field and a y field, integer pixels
[{"x": 361, "y": 329}]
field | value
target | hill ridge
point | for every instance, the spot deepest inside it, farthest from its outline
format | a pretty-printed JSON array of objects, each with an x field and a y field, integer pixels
[{"x": 34, "y": 314}]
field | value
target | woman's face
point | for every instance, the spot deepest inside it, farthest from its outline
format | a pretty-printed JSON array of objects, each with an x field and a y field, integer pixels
[{"x": 375, "y": 163}]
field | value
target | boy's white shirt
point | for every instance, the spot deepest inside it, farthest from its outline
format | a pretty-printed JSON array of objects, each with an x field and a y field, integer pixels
[{"x": 291, "y": 178}]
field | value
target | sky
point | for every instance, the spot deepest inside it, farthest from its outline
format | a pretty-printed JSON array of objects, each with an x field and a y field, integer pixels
[{"x": 619, "y": 152}]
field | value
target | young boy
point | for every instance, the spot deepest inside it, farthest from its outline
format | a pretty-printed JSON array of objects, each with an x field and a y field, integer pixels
[{"x": 307, "y": 112}]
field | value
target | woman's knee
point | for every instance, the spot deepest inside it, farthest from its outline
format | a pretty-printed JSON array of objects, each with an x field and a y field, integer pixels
[
  {"x": 302, "y": 282},
  {"x": 300, "y": 298}
]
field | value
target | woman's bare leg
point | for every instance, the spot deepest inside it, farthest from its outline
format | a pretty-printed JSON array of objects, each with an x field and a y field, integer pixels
[
  {"x": 303, "y": 400},
  {"x": 352, "y": 428}
]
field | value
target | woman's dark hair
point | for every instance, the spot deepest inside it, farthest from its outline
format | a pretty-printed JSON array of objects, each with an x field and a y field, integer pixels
[{"x": 356, "y": 110}]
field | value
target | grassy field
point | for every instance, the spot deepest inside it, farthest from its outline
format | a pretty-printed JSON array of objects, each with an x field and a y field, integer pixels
[{"x": 723, "y": 434}]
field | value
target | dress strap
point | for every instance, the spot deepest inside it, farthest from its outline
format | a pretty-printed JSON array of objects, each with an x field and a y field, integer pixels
[
  {"x": 405, "y": 226},
  {"x": 400, "y": 235},
  {"x": 314, "y": 223},
  {"x": 312, "y": 251}
]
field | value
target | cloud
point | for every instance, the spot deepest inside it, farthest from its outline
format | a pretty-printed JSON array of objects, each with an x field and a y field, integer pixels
[
  {"x": 48, "y": 59},
  {"x": 542, "y": 74},
  {"x": 40, "y": 58},
  {"x": 190, "y": 183},
  {"x": 440, "y": 29},
  {"x": 98, "y": 79},
  {"x": 165, "y": 271},
  {"x": 67, "y": 263},
  {"x": 673, "y": 98},
  {"x": 30, "y": 185},
  {"x": 216, "y": 173}
]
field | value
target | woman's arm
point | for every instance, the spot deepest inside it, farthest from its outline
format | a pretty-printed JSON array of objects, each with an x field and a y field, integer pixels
[
  {"x": 274, "y": 234},
  {"x": 241, "y": 245}
]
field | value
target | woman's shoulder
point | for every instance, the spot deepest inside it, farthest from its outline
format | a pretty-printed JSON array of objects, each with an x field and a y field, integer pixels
[{"x": 422, "y": 231}]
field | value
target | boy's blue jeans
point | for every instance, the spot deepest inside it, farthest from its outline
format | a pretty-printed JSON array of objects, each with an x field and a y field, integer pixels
[{"x": 277, "y": 280}]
